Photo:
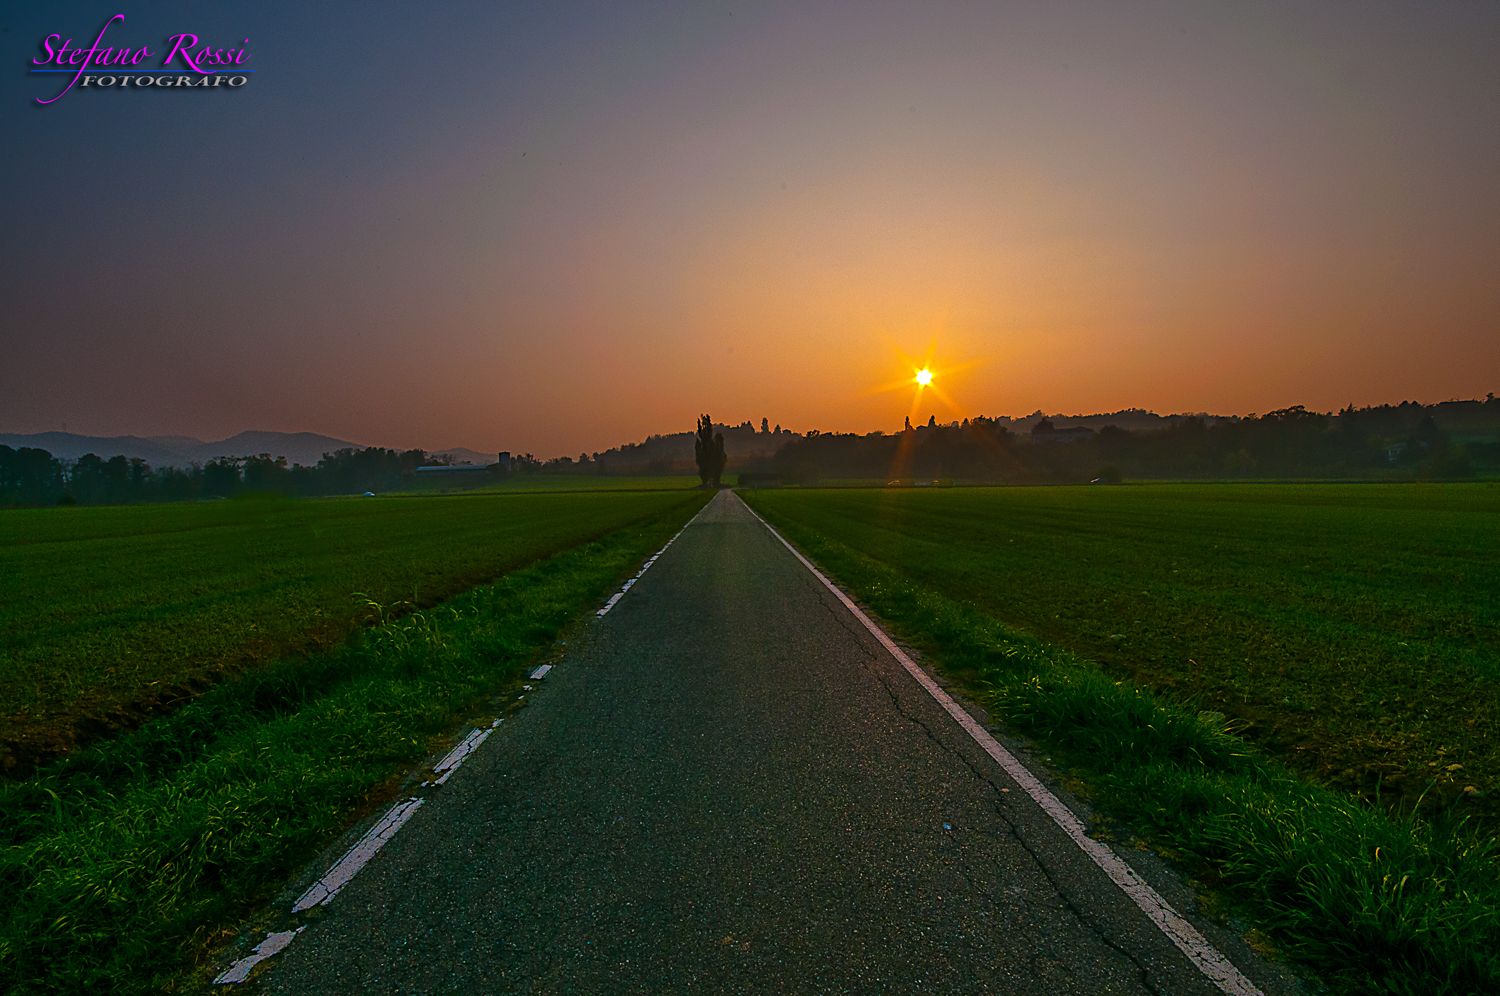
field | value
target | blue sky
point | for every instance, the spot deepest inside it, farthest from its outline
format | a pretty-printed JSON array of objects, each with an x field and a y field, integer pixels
[{"x": 556, "y": 227}]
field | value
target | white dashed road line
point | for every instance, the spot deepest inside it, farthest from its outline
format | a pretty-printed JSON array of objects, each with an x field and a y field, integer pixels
[
  {"x": 621, "y": 593},
  {"x": 456, "y": 756},
  {"x": 240, "y": 970},
  {"x": 349, "y": 865},
  {"x": 1217, "y": 968},
  {"x": 359, "y": 855}
]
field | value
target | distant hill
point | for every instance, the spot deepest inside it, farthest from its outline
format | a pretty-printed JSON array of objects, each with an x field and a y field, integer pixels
[
  {"x": 675, "y": 450},
  {"x": 1132, "y": 419},
  {"x": 305, "y": 448},
  {"x": 177, "y": 444},
  {"x": 743, "y": 441},
  {"x": 71, "y": 446}
]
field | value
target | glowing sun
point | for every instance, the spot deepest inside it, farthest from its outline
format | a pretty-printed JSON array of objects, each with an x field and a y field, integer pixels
[{"x": 924, "y": 376}]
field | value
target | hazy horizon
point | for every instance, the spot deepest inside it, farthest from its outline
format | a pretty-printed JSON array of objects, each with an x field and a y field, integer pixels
[
  {"x": 558, "y": 229},
  {"x": 186, "y": 443}
]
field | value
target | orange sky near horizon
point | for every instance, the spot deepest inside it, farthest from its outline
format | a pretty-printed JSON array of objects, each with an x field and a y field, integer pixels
[{"x": 606, "y": 223}]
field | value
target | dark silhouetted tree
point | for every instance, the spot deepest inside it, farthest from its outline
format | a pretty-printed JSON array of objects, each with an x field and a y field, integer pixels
[
  {"x": 221, "y": 476},
  {"x": 1429, "y": 435},
  {"x": 708, "y": 450},
  {"x": 266, "y": 475},
  {"x": 29, "y": 477}
]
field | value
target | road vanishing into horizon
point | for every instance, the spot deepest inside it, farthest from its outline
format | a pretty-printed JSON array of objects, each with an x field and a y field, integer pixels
[{"x": 729, "y": 785}]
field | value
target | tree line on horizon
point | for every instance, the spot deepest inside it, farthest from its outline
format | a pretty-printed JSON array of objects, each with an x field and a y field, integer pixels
[
  {"x": 34, "y": 477},
  {"x": 1402, "y": 441},
  {"x": 1379, "y": 442}
]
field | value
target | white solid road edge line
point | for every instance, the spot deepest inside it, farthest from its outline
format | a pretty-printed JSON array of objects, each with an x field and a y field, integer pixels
[
  {"x": 349, "y": 865},
  {"x": 1219, "y": 970}
]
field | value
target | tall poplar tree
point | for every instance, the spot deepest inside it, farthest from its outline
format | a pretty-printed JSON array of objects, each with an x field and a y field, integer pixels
[{"x": 708, "y": 450}]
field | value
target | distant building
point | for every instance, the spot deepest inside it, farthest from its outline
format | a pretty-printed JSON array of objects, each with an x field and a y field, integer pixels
[{"x": 504, "y": 460}]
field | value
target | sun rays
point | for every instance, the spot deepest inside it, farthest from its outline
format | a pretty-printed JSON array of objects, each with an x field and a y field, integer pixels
[{"x": 926, "y": 375}]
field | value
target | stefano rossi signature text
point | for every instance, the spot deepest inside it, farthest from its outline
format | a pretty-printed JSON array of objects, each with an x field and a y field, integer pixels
[{"x": 193, "y": 61}]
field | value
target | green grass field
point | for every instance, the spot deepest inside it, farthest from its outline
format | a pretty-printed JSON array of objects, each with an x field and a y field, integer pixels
[
  {"x": 110, "y": 614},
  {"x": 1151, "y": 637},
  {"x": 1354, "y": 630},
  {"x": 557, "y": 483},
  {"x": 1347, "y": 630},
  {"x": 126, "y": 863}
]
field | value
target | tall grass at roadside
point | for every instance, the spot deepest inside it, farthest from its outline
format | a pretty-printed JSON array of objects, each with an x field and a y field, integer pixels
[
  {"x": 1351, "y": 630},
  {"x": 1376, "y": 903},
  {"x": 108, "y": 615},
  {"x": 123, "y": 863}
]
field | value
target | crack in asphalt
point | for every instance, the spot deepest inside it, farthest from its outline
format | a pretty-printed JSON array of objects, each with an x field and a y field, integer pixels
[{"x": 840, "y": 618}]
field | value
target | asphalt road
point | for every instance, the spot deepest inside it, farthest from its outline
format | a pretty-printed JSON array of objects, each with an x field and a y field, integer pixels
[{"x": 727, "y": 785}]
